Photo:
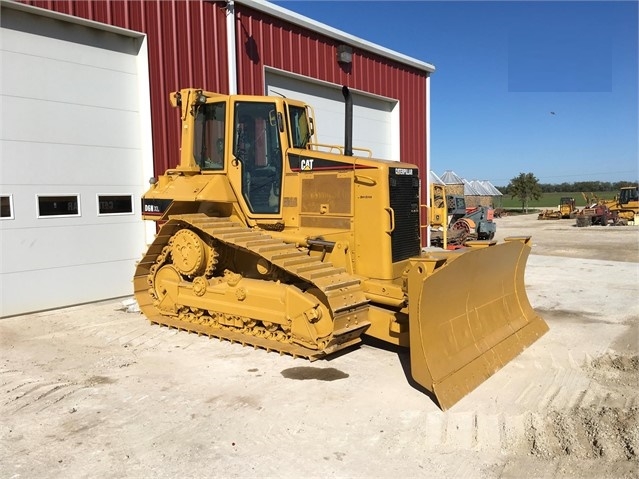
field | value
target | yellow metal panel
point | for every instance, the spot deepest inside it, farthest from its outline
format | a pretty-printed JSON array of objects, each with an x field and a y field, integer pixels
[
  {"x": 327, "y": 194},
  {"x": 331, "y": 222}
]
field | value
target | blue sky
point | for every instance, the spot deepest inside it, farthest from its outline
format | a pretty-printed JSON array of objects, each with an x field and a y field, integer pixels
[{"x": 544, "y": 87}]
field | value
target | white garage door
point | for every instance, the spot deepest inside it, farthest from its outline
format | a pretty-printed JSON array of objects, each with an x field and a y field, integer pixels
[
  {"x": 73, "y": 160},
  {"x": 375, "y": 119}
]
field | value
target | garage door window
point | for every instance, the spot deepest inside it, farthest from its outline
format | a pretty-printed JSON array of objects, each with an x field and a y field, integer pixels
[
  {"x": 115, "y": 205},
  {"x": 6, "y": 207},
  {"x": 58, "y": 206}
]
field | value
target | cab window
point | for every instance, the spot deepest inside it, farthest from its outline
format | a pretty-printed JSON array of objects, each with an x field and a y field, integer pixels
[
  {"x": 256, "y": 145},
  {"x": 208, "y": 148},
  {"x": 300, "y": 132},
  {"x": 628, "y": 195}
]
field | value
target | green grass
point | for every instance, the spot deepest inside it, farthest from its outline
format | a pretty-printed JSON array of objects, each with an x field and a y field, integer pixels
[{"x": 551, "y": 200}]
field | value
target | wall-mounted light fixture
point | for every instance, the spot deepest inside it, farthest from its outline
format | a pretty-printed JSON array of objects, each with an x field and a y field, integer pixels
[{"x": 344, "y": 54}]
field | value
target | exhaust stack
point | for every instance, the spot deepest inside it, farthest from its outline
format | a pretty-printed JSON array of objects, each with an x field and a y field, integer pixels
[{"x": 348, "y": 121}]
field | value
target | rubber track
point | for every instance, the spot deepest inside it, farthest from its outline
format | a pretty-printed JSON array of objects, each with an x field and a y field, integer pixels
[{"x": 342, "y": 291}]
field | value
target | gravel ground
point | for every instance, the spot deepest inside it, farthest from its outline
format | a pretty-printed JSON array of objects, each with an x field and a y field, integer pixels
[{"x": 94, "y": 391}]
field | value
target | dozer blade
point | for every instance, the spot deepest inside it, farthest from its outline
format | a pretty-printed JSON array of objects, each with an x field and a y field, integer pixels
[{"x": 469, "y": 315}]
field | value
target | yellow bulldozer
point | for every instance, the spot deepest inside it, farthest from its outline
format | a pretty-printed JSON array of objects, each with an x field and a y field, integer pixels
[
  {"x": 272, "y": 240},
  {"x": 623, "y": 209},
  {"x": 626, "y": 205},
  {"x": 567, "y": 209}
]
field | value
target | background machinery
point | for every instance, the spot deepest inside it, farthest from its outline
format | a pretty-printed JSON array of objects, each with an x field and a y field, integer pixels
[
  {"x": 567, "y": 209},
  {"x": 621, "y": 210},
  {"x": 452, "y": 224},
  {"x": 626, "y": 205},
  {"x": 271, "y": 240}
]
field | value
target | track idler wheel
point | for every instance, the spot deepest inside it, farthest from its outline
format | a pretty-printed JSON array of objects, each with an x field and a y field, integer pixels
[{"x": 165, "y": 283}]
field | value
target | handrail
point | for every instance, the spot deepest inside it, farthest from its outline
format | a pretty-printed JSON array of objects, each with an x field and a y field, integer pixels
[{"x": 340, "y": 149}]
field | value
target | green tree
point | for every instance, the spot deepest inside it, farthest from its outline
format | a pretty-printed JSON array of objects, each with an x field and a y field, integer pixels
[{"x": 525, "y": 187}]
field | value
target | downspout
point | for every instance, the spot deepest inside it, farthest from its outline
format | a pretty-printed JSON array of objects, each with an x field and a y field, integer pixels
[{"x": 230, "y": 47}]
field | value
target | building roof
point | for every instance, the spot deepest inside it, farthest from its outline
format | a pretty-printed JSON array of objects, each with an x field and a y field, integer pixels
[
  {"x": 451, "y": 178},
  {"x": 469, "y": 189},
  {"x": 297, "y": 19},
  {"x": 434, "y": 179},
  {"x": 491, "y": 188},
  {"x": 480, "y": 188}
]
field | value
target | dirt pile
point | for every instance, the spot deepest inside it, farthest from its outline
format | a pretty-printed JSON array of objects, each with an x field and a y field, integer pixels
[
  {"x": 585, "y": 433},
  {"x": 613, "y": 362}
]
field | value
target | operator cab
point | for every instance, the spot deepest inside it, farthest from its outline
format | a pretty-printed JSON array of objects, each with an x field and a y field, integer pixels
[
  {"x": 245, "y": 138},
  {"x": 626, "y": 195}
]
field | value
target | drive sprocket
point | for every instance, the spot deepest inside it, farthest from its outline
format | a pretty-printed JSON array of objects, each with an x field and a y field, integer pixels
[{"x": 191, "y": 255}]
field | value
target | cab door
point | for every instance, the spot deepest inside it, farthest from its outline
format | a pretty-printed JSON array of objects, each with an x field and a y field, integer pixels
[{"x": 257, "y": 156}]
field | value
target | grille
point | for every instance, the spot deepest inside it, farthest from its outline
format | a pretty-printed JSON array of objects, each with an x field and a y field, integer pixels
[{"x": 404, "y": 199}]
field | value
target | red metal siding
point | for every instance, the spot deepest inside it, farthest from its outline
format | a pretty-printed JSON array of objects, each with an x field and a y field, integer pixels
[
  {"x": 263, "y": 41},
  {"x": 186, "y": 47}
]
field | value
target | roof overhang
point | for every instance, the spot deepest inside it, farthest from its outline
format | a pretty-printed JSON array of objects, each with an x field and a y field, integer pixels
[{"x": 297, "y": 19}]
